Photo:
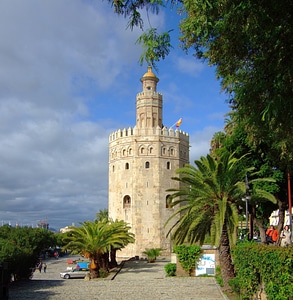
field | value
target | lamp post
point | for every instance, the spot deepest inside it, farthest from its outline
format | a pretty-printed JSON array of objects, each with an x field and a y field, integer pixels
[
  {"x": 247, "y": 198},
  {"x": 289, "y": 202}
]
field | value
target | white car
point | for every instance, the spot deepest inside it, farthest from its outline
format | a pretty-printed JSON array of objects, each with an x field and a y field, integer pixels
[{"x": 75, "y": 273}]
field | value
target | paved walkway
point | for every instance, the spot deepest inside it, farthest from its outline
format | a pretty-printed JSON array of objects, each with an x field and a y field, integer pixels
[{"x": 137, "y": 280}]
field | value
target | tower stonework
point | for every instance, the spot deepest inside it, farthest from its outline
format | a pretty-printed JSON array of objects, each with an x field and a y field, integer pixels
[{"x": 142, "y": 161}]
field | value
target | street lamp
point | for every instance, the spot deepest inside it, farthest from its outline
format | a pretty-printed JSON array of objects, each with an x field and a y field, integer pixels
[
  {"x": 246, "y": 209},
  {"x": 289, "y": 202},
  {"x": 247, "y": 198}
]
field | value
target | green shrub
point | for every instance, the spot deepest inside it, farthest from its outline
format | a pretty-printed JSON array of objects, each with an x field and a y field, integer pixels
[
  {"x": 262, "y": 265},
  {"x": 188, "y": 256},
  {"x": 170, "y": 269}
]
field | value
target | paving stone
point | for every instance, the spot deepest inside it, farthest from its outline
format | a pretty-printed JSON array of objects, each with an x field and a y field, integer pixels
[{"x": 137, "y": 280}]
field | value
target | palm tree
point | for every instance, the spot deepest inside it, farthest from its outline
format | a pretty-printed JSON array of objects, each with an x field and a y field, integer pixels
[
  {"x": 102, "y": 214},
  {"x": 122, "y": 238},
  {"x": 208, "y": 200},
  {"x": 95, "y": 240}
]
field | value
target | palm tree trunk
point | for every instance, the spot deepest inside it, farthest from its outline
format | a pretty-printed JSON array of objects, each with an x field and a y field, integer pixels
[
  {"x": 113, "y": 261},
  {"x": 94, "y": 268},
  {"x": 105, "y": 262},
  {"x": 227, "y": 268}
]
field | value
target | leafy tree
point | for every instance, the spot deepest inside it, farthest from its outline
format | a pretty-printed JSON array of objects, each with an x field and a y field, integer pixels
[
  {"x": 95, "y": 240},
  {"x": 264, "y": 156},
  {"x": 208, "y": 203},
  {"x": 250, "y": 44},
  {"x": 20, "y": 248}
]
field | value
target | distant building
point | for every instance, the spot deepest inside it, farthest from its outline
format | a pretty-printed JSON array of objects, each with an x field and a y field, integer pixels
[
  {"x": 43, "y": 224},
  {"x": 142, "y": 161},
  {"x": 66, "y": 228},
  {"x": 274, "y": 218}
]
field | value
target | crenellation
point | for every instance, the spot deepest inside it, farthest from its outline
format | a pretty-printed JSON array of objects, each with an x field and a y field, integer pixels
[
  {"x": 134, "y": 131},
  {"x": 148, "y": 94}
]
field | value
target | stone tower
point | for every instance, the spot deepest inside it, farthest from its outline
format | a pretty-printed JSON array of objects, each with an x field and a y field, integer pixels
[{"x": 142, "y": 161}]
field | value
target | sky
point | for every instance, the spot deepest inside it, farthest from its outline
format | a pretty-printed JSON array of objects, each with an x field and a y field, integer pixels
[{"x": 69, "y": 75}]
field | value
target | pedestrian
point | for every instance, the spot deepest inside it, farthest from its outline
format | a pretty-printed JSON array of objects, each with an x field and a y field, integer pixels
[
  {"x": 286, "y": 238},
  {"x": 45, "y": 267},
  {"x": 272, "y": 235},
  {"x": 40, "y": 266}
]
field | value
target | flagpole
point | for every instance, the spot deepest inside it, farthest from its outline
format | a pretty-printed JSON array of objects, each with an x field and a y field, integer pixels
[
  {"x": 173, "y": 124},
  {"x": 179, "y": 121}
]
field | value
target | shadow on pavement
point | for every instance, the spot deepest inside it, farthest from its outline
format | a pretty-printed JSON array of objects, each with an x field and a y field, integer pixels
[{"x": 33, "y": 289}]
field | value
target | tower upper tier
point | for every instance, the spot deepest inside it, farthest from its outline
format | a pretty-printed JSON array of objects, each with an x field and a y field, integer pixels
[{"x": 149, "y": 103}]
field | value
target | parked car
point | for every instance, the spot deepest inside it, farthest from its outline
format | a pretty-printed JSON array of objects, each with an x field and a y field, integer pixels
[{"x": 74, "y": 273}]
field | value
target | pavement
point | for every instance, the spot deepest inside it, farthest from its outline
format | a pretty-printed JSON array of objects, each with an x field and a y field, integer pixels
[{"x": 136, "y": 280}]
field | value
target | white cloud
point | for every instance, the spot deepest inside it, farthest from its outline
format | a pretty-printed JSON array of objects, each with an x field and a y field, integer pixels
[
  {"x": 189, "y": 65},
  {"x": 68, "y": 77},
  {"x": 200, "y": 142},
  {"x": 54, "y": 163}
]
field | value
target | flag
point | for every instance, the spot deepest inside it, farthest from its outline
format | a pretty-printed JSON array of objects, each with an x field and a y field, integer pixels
[{"x": 178, "y": 123}]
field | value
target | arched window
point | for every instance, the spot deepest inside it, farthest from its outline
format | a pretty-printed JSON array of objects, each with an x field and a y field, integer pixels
[
  {"x": 126, "y": 166},
  {"x": 130, "y": 151},
  {"x": 171, "y": 151},
  {"x": 151, "y": 150},
  {"x": 164, "y": 151},
  {"x": 124, "y": 152},
  {"x": 126, "y": 201},
  {"x": 141, "y": 150},
  {"x": 113, "y": 168},
  {"x": 147, "y": 165},
  {"x": 168, "y": 165}
]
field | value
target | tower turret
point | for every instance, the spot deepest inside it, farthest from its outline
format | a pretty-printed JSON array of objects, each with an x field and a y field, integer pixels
[{"x": 149, "y": 102}]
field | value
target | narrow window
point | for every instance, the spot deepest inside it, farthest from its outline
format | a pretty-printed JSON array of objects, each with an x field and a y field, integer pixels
[
  {"x": 126, "y": 166},
  {"x": 147, "y": 165},
  {"x": 126, "y": 201},
  {"x": 168, "y": 165},
  {"x": 113, "y": 168},
  {"x": 142, "y": 150}
]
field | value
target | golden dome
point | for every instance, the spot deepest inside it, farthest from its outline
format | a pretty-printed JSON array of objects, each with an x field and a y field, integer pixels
[{"x": 149, "y": 73}]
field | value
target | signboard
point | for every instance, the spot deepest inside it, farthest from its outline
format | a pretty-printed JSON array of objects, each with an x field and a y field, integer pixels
[{"x": 206, "y": 265}]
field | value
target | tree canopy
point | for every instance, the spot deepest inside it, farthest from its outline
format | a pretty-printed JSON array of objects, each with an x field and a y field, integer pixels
[{"x": 21, "y": 247}]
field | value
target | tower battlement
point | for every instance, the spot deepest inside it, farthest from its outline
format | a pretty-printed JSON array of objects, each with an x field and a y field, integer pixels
[
  {"x": 134, "y": 131},
  {"x": 149, "y": 93}
]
